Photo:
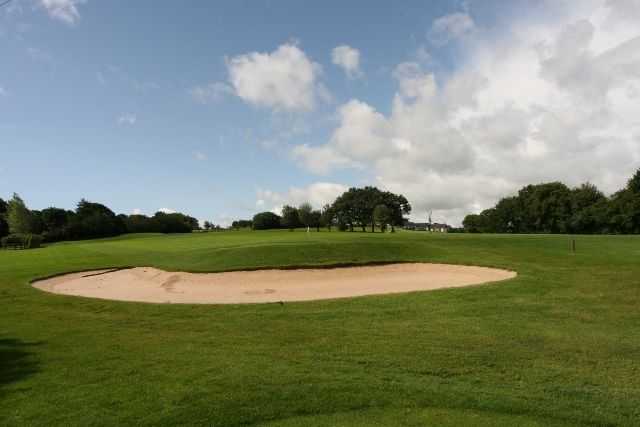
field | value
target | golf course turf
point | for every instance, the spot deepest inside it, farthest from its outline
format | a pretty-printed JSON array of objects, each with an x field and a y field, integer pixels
[{"x": 557, "y": 345}]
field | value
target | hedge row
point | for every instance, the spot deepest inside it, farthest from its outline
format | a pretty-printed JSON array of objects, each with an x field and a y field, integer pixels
[{"x": 21, "y": 241}]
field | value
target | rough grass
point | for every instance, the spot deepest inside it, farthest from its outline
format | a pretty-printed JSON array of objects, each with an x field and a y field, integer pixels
[{"x": 558, "y": 345}]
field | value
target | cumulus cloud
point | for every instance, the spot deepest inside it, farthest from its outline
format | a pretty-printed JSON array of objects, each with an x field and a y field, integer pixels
[
  {"x": 136, "y": 211},
  {"x": 166, "y": 210},
  {"x": 284, "y": 80},
  {"x": 322, "y": 159},
  {"x": 450, "y": 27},
  {"x": 553, "y": 101},
  {"x": 627, "y": 11},
  {"x": 317, "y": 194},
  {"x": 127, "y": 119},
  {"x": 347, "y": 58},
  {"x": 211, "y": 92},
  {"x": 63, "y": 10}
]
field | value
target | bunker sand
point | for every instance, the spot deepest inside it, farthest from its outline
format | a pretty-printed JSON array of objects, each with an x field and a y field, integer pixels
[{"x": 148, "y": 284}]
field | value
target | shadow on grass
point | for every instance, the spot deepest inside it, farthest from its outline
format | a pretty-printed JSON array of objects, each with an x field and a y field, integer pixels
[{"x": 17, "y": 360}]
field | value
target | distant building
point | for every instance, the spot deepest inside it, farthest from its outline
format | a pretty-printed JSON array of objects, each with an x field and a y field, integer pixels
[
  {"x": 425, "y": 226},
  {"x": 440, "y": 228}
]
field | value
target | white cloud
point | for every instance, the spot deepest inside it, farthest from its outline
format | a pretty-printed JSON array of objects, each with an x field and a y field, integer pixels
[
  {"x": 63, "y": 10},
  {"x": 348, "y": 58},
  {"x": 321, "y": 159},
  {"x": 284, "y": 80},
  {"x": 127, "y": 119},
  {"x": 551, "y": 101},
  {"x": 166, "y": 210},
  {"x": 450, "y": 27},
  {"x": 136, "y": 211},
  {"x": 210, "y": 93},
  {"x": 627, "y": 11},
  {"x": 3, "y": 91},
  {"x": 423, "y": 56},
  {"x": 317, "y": 194},
  {"x": 412, "y": 80},
  {"x": 200, "y": 156}
]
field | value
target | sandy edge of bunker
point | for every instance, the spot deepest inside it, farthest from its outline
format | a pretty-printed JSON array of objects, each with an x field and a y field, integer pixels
[{"x": 152, "y": 285}]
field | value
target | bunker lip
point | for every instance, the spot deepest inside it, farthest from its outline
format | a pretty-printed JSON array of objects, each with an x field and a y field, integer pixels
[{"x": 149, "y": 284}]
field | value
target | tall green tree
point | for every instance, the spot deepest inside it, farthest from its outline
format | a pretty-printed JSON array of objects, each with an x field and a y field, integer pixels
[
  {"x": 54, "y": 218},
  {"x": 290, "y": 217},
  {"x": 92, "y": 220},
  {"x": 554, "y": 208},
  {"x": 137, "y": 223},
  {"x": 344, "y": 211},
  {"x": 175, "y": 222},
  {"x": 634, "y": 183},
  {"x": 473, "y": 223},
  {"x": 4, "y": 227},
  {"x": 316, "y": 219},
  {"x": 37, "y": 226},
  {"x": 327, "y": 216},
  {"x": 382, "y": 216},
  {"x": 356, "y": 206},
  {"x": 624, "y": 212},
  {"x": 265, "y": 221},
  {"x": 588, "y": 210},
  {"x": 399, "y": 207},
  {"x": 548, "y": 207},
  {"x": 19, "y": 217},
  {"x": 304, "y": 214}
]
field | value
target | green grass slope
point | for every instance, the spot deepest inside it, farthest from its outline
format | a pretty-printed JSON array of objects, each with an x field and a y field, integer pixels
[{"x": 558, "y": 345}]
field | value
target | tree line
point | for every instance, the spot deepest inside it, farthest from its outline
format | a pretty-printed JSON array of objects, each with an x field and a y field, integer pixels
[
  {"x": 363, "y": 208},
  {"x": 555, "y": 208},
  {"x": 88, "y": 221}
]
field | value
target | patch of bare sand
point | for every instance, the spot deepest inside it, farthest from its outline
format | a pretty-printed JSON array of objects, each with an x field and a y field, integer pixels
[{"x": 148, "y": 284}]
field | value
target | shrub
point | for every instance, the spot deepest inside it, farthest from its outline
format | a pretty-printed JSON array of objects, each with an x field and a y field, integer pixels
[
  {"x": 22, "y": 241},
  {"x": 33, "y": 241}
]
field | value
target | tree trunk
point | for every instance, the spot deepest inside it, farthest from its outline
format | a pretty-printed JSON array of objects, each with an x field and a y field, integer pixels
[
  {"x": 373, "y": 226},
  {"x": 393, "y": 230}
]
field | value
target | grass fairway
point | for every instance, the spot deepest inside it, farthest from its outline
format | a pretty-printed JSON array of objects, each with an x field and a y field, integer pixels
[{"x": 558, "y": 345}]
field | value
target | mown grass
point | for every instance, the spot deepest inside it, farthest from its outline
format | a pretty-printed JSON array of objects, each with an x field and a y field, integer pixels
[{"x": 558, "y": 345}]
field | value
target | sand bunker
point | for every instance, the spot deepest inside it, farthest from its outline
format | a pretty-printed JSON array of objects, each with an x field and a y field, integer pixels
[{"x": 147, "y": 284}]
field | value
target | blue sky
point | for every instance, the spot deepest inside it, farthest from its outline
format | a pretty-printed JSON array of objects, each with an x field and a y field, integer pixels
[{"x": 223, "y": 109}]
